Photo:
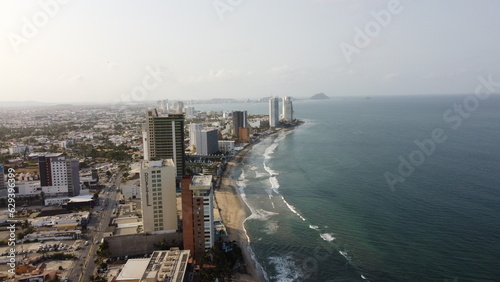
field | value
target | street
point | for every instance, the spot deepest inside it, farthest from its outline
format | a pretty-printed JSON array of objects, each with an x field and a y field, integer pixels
[{"x": 84, "y": 267}]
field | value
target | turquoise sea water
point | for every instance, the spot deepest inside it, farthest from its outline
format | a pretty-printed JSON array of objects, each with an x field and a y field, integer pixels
[{"x": 322, "y": 209}]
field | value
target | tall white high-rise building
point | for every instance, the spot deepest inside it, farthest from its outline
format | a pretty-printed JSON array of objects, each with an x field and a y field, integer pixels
[
  {"x": 194, "y": 132},
  {"x": 287, "y": 109},
  {"x": 207, "y": 141},
  {"x": 274, "y": 112},
  {"x": 159, "y": 206}
]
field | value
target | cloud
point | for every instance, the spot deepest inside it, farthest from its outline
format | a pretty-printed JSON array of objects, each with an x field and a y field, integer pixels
[
  {"x": 432, "y": 75},
  {"x": 391, "y": 76}
]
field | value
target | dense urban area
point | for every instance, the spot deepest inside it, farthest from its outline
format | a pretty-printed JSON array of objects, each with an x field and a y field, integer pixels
[{"x": 121, "y": 192}]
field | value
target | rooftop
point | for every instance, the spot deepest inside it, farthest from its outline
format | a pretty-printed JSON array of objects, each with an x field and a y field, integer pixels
[
  {"x": 162, "y": 266},
  {"x": 81, "y": 198},
  {"x": 133, "y": 269},
  {"x": 201, "y": 180},
  {"x": 158, "y": 163}
]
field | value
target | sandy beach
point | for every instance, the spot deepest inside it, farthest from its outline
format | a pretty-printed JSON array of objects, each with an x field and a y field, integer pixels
[{"x": 234, "y": 211}]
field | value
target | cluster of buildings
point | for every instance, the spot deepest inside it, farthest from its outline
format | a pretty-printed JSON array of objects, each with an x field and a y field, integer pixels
[
  {"x": 68, "y": 125},
  {"x": 163, "y": 171},
  {"x": 172, "y": 200},
  {"x": 161, "y": 266},
  {"x": 58, "y": 181},
  {"x": 274, "y": 111}
]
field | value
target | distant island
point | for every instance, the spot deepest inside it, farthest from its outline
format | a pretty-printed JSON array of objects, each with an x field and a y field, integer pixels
[{"x": 320, "y": 96}]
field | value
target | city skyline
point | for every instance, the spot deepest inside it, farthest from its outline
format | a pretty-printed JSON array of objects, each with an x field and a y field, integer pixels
[{"x": 72, "y": 51}]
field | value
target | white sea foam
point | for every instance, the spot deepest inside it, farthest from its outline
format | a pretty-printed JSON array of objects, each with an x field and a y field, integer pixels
[
  {"x": 258, "y": 266},
  {"x": 270, "y": 150},
  {"x": 286, "y": 269},
  {"x": 241, "y": 183},
  {"x": 259, "y": 174},
  {"x": 344, "y": 254},
  {"x": 271, "y": 227},
  {"x": 260, "y": 214},
  {"x": 274, "y": 182},
  {"x": 270, "y": 171},
  {"x": 314, "y": 227},
  {"x": 292, "y": 208},
  {"x": 327, "y": 237}
]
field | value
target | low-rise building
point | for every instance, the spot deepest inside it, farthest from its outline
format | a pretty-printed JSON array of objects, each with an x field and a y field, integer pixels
[
  {"x": 131, "y": 191},
  {"x": 226, "y": 146},
  {"x": 161, "y": 266}
]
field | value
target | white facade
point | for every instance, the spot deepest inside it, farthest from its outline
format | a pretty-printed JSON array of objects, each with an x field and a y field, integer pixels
[
  {"x": 59, "y": 172},
  {"x": 56, "y": 201},
  {"x": 131, "y": 191},
  {"x": 226, "y": 146},
  {"x": 27, "y": 189},
  {"x": 207, "y": 141},
  {"x": 158, "y": 197},
  {"x": 19, "y": 149},
  {"x": 274, "y": 112},
  {"x": 61, "y": 221},
  {"x": 189, "y": 112},
  {"x": 55, "y": 190},
  {"x": 194, "y": 129},
  {"x": 33, "y": 188},
  {"x": 287, "y": 109}
]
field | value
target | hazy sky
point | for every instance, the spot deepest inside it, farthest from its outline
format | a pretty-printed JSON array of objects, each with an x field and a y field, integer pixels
[{"x": 77, "y": 51}]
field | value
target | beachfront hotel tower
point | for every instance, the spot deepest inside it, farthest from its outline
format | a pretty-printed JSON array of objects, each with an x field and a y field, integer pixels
[
  {"x": 287, "y": 109},
  {"x": 163, "y": 138},
  {"x": 274, "y": 112},
  {"x": 197, "y": 214},
  {"x": 158, "y": 199},
  {"x": 240, "y": 126}
]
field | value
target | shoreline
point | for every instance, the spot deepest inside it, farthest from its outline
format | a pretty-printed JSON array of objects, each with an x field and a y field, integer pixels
[{"x": 234, "y": 210}]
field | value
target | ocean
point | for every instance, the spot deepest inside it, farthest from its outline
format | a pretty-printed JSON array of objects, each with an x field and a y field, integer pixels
[{"x": 381, "y": 189}]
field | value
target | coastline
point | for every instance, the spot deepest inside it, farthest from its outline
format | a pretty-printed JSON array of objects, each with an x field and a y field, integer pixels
[{"x": 234, "y": 210}]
